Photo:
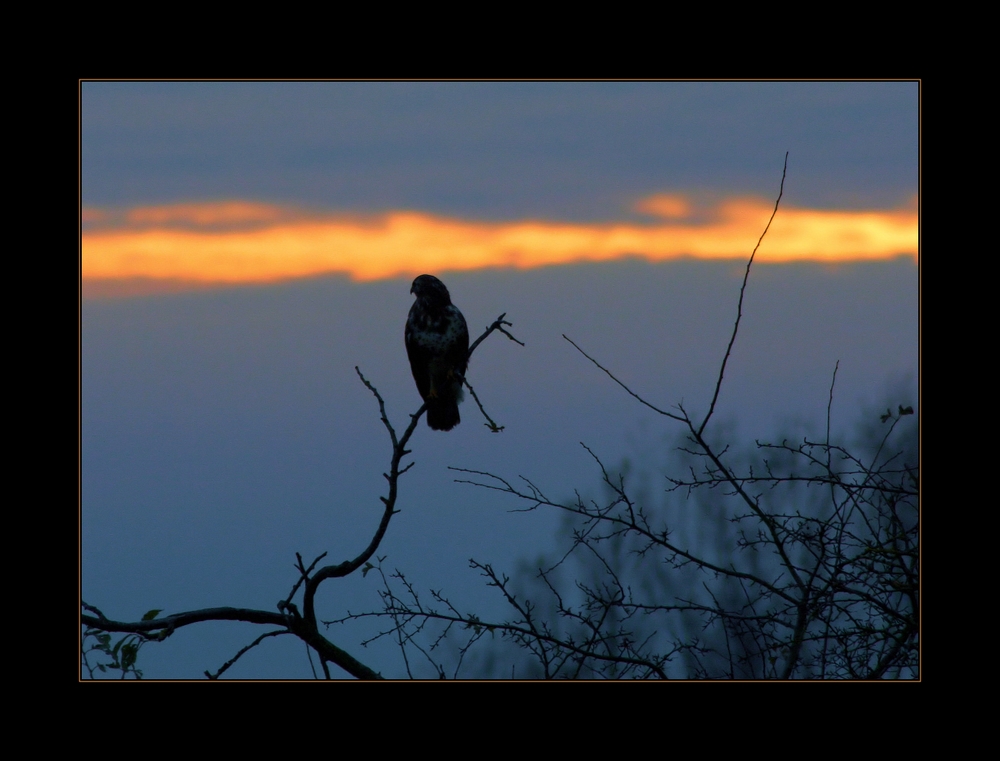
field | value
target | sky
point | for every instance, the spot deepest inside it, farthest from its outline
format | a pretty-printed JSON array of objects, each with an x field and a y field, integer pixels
[{"x": 245, "y": 245}]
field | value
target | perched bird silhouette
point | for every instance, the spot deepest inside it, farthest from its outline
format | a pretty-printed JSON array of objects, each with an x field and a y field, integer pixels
[{"x": 437, "y": 343}]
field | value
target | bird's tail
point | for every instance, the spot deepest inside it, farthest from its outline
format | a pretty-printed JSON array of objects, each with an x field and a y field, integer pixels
[{"x": 442, "y": 414}]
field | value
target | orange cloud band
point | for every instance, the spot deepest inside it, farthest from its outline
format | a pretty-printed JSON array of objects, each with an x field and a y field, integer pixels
[{"x": 282, "y": 246}]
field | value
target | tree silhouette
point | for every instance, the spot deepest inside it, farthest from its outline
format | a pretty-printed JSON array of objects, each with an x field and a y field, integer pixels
[
  {"x": 288, "y": 617},
  {"x": 818, "y": 576},
  {"x": 814, "y": 571}
]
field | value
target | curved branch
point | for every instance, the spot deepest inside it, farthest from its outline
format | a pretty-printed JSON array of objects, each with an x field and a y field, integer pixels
[
  {"x": 739, "y": 306},
  {"x": 161, "y": 628},
  {"x": 399, "y": 451},
  {"x": 630, "y": 391},
  {"x": 288, "y": 618},
  {"x": 243, "y": 651}
]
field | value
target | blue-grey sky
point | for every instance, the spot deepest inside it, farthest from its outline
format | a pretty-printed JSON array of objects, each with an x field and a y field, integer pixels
[
  {"x": 224, "y": 430},
  {"x": 573, "y": 150}
]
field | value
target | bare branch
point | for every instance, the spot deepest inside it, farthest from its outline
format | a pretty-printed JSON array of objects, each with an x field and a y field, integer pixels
[
  {"x": 655, "y": 409},
  {"x": 288, "y": 617},
  {"x": 739, "y": 306},
  {"x": 497, "y": 324},
  {"x": 251, "y": 646},
  {"x": 494, "y": 428}
]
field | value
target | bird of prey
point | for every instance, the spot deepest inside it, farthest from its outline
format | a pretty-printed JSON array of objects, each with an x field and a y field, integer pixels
[{"x": 437, "y": 343}]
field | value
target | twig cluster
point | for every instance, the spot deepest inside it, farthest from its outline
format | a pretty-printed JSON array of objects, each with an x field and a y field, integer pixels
[{"x": 820, "y": 580}]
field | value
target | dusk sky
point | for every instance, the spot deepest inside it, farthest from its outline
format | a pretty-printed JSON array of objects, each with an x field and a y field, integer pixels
[{"x": 245, "y": 245}]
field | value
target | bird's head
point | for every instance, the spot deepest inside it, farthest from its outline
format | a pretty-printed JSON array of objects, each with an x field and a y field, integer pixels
[{"x": 430, "y": 291}]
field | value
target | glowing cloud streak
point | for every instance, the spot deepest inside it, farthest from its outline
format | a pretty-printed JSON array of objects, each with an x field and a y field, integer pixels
[{"x": 240, "y": 242}]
